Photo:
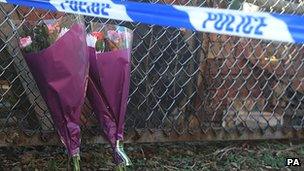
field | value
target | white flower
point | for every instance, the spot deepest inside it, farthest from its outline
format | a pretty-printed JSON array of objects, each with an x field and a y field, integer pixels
[
  {"x": 25, "y": 41},
  {"x": 62, "y": 32},
  {"x": 91, "y": 40},
  {"x": 248, "y": 7}
]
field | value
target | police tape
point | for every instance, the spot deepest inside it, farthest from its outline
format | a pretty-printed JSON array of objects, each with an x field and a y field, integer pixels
[{"x": 259, "y": 25}]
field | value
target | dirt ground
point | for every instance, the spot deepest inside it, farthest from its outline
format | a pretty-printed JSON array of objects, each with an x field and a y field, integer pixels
[{"x": 169, "y": 156}]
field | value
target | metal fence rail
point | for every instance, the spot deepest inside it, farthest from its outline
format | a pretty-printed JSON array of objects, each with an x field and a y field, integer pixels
[{"x": 185, "y": 86}]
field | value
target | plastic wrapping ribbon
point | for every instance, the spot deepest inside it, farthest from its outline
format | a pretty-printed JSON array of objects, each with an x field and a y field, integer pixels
[{"x": 260, "y": 25}]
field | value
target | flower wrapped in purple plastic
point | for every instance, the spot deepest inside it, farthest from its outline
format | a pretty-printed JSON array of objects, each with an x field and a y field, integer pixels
[
  {"x": 56, "y": 53},
  {"x": 108, "y": 87}
]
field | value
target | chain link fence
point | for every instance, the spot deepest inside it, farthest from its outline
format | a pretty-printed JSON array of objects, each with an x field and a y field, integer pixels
[{"x": 185, "y": 85}]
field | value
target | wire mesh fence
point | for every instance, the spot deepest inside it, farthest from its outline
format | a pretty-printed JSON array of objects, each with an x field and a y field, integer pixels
[{"x": 185, "y": 85}]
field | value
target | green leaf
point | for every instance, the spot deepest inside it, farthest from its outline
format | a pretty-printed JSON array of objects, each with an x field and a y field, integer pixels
[
  {"x": 100, "y": 45},
  {"x": 235, "y": 4}
]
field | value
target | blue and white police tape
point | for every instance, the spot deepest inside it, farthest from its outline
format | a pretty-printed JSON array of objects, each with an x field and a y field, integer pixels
[{"x": 260, "y": 25}]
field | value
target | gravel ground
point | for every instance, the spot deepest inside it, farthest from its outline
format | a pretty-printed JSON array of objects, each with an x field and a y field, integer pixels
[{"x": 169, "y": 156}]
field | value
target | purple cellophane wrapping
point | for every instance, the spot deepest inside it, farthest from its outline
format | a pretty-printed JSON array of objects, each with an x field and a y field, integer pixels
[
  {"x": 108, "y": 90},
  {"x": 61, "y": 74}
]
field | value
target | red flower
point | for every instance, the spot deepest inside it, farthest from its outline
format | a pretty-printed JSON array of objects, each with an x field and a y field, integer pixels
[{"x": 98, "y": 35}]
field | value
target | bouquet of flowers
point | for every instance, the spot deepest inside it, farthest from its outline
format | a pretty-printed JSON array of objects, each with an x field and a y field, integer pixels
[
  {"x": 109, "y": 79},
  {"x": 56, "y": 53}
]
